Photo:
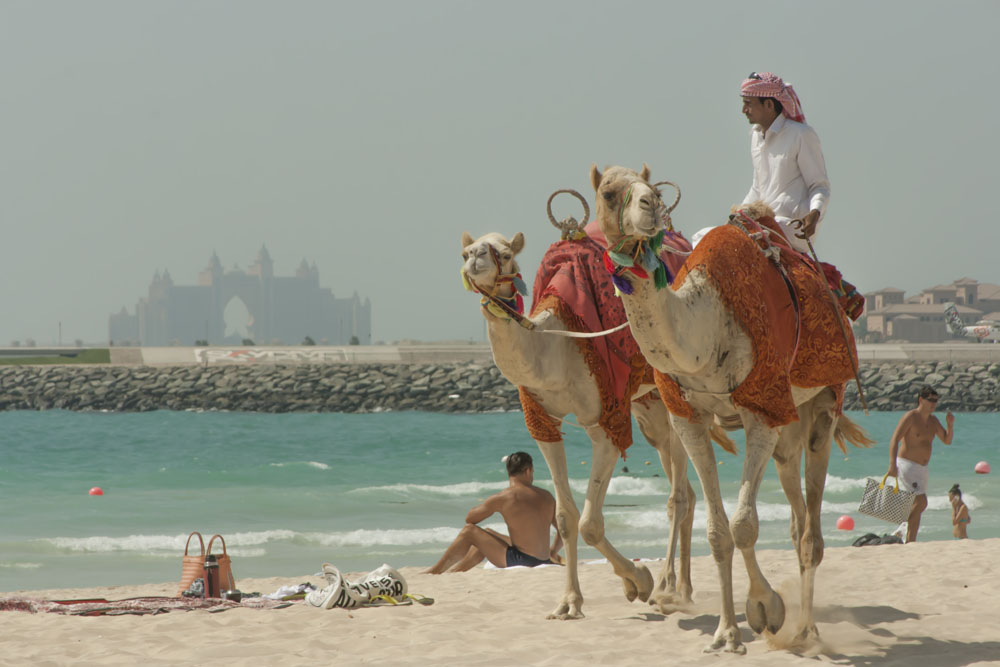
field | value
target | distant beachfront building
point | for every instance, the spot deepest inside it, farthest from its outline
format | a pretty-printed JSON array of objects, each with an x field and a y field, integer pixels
[
  {"x": 228, "y": 307},
  {"x": 920, "y": 318}
]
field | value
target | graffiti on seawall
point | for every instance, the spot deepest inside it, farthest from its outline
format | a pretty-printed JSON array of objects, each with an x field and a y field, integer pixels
[{"x": 212, "y": 355}]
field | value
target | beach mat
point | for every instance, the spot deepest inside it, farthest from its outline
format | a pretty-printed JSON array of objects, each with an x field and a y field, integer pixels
[{"x": 140, "y": 606}]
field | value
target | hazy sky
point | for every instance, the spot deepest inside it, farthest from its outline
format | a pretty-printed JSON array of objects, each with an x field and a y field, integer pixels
[{"x": 365, "y": 137}]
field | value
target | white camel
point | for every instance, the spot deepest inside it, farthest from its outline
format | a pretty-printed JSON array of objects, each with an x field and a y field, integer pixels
[
  {"x": 553, "y": 375},
  {"x": 703, "y": 354}
]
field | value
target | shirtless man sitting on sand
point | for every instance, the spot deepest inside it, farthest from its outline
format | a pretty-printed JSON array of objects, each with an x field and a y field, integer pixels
[
  {"x": 528, "y": 512},
  {"x": 913, "y": 437}
]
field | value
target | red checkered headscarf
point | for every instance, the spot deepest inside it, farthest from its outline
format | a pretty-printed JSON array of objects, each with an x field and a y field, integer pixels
[{"x": 766, "y": 84}]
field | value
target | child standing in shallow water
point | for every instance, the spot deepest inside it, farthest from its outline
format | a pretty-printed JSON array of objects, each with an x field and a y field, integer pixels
[{"x": 959, "y": 513}]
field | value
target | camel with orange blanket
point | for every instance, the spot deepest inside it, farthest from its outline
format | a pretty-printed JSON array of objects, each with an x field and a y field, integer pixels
[
  {"x": 603, "y": 381},
  {"x": 730, "y": 342}
]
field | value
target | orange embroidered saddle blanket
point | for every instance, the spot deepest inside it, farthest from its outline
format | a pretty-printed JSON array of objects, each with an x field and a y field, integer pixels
[{"x": 754, "y": 291}]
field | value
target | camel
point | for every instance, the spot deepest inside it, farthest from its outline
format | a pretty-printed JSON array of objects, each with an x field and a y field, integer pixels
[
  {"x": 555, "y": 378},
  {"x": 709, "y": 364}
]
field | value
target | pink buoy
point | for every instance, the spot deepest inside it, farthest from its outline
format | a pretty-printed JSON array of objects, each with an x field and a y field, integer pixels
[
  {"x": 845, "y": 523},
  {"x": 982, "y": 467},
  {"x": 96, "y": 491}
]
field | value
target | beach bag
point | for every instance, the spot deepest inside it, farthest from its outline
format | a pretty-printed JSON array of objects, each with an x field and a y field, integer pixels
[
  {"x": 225, "y": 580},
  {"x": 192, "y": 566},
  {"x": 886, "y": 503},
  {"x": 382, "y": 581},
  {"x": 384, "y": 585}
]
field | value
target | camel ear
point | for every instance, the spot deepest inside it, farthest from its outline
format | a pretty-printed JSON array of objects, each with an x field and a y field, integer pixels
[
  {"x": 517, "y": 243},
  {"x": 595, "y": 176},
  {"x": 644, "y": 174},
  {"x": 467, "y": 239}
]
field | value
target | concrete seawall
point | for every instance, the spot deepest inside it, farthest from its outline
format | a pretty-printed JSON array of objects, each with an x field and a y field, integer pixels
[{"x": 479, "y": 352}]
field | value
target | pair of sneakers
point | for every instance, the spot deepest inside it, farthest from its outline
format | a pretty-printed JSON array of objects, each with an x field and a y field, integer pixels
[{"x": 339, "y": 592}]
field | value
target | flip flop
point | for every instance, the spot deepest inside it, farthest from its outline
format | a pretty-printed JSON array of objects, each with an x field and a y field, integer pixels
[
  {"x": 419, "y": 599},
  {"x": 405, "y": 599},
  {"x": 385, "y": 601}
]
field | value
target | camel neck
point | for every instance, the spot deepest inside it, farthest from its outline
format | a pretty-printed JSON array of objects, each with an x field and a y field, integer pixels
[{"x": 676, "y": 333}]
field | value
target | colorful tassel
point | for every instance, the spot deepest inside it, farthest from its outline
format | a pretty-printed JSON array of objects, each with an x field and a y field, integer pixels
[
  {"x": 621, "y": 284},
  {"x": 609, "y": 266},
  {"x": 650, "y": 260},
  {"x": 465, "y": 281},
  {"x": 621, "y": 259},
  {"x": 656, "y": 242},
  {"x": 660, "y": 276},
  {"x": 638, "y": 272},
  {"x": 496, "y": 310},
  {"x": 519, "y": 284}
]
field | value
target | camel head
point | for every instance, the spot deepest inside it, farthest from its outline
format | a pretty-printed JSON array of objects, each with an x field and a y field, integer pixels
[
  {"x": 489, "y": 266},
  {"x": 626, "y": 204}
]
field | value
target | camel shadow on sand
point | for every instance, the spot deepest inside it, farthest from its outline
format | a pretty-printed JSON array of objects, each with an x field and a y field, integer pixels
[
  {"x": 905, "y": 648},
  {"x": 916, "y": 650}
]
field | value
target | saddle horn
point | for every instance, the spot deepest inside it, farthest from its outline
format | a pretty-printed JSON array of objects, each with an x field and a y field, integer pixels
[
  {"x": 569, "y": 226},
  {"x": 670, "y": 209}
]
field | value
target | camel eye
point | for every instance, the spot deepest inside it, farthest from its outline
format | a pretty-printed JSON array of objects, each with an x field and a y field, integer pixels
[
  {"x": 608, "y": 195},
  {"x": 465, "y": 254},
  {"x": 506, "y": 256}
]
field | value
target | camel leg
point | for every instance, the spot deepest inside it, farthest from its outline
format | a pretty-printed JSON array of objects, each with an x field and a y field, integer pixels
[
  {"x": 654, "y": 422},
  {"x": 765, "y": 608},
  {"x": 699, "y": 448},
  {"x": 636, "y": 579},
  {"x": 788, "y": 461},
  {"x": 810, "y": 548},
  {"x": 567, "y": 520}
]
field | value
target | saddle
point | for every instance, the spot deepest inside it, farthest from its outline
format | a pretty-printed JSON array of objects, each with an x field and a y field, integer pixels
[{"x": 781, "y": 301}]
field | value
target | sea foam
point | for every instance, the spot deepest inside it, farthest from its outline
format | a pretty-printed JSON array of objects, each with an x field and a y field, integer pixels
[{"x": 460, "y": 489}]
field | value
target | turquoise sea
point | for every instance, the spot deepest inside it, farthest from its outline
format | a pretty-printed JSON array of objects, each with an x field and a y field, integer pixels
[{"x": 292, "y": 491}]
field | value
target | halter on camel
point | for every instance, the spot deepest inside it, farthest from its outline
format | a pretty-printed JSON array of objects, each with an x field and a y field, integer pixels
[
  {"x": 646, "y": 254},
  {"x": 512, "y": 307}
]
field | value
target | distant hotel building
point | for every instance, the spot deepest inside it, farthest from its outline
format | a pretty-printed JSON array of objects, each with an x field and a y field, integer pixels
[
  {"x": 229, "y": 307},
  {"x": 920, "y": 318}
]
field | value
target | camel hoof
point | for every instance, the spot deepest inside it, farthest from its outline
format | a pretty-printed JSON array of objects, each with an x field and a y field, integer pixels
[
  {"x": 639, "y": 585},
  {"x": 728, "y": 642},
  {"x": 766, "y": 613},
  {"x": 669, "y": 602},
  {"x": 566, "y": 612},
  {"x": 807, "y": 636},
  {"x": 662, "y": 600}
]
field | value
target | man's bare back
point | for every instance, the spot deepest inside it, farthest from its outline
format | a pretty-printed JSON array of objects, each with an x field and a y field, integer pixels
[{"x": 528, "y": 512}]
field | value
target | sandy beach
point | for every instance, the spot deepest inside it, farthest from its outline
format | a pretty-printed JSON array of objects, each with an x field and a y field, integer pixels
[{"x": 930, "y": 603}]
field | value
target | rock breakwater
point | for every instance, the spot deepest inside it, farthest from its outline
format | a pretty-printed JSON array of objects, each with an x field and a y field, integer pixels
[
  {"x": 457, "y": 387},
  {"x": 963, "y": 386},
  {"x": 463, "y": 387}
]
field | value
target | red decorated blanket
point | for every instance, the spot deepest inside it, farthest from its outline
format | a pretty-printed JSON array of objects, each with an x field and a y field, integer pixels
[{"x": 573, "y": 283}]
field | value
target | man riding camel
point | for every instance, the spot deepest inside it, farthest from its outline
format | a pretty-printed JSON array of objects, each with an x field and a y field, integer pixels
[{"x": 789, "y": 173}]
